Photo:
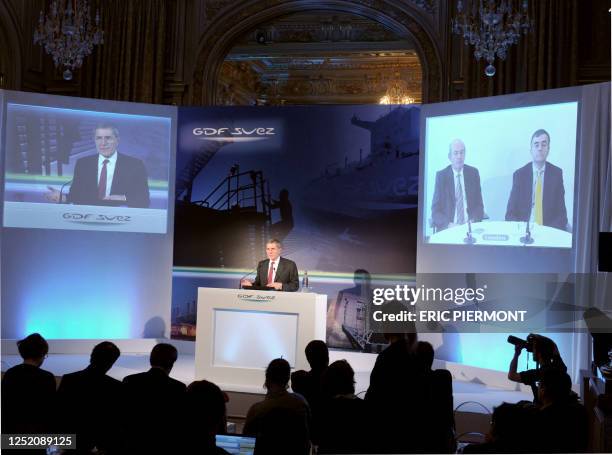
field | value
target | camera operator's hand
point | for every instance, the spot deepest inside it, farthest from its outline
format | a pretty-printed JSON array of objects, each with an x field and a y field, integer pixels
[{"x": 517, "y": 350}]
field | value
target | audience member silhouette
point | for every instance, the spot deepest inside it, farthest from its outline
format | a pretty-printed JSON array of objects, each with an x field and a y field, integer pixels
[
  {"x": 562, "y": 420},
  {"x": 205, "y": 417},
  {"x": 342, "y": 414},
  {"x": 513, "y": 430},
  {"x": 28, "y": 391},
  {"x": 152, "y": 400},
  {"x": 308, "y": 383},
  {"x": 392, "y": 392},
  {"x": 436, "y": 426},
  {"x": 281, "y": 421},
  {"x": 89, "y": 401}
]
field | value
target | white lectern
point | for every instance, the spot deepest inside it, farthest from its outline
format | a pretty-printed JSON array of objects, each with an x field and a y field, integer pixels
[{"x": 240, "y": 331}]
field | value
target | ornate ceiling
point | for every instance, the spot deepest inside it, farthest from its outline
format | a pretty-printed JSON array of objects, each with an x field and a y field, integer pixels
[{"x": 318, "y": 58}]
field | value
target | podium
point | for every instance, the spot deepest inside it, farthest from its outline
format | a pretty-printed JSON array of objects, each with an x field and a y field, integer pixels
[{"x": 240, "y": 331}]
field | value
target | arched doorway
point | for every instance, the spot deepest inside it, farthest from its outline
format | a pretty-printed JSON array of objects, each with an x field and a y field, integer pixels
[{"x": 229, "y": 27}]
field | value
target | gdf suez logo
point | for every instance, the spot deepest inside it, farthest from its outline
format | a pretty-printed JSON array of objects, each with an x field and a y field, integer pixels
[
  {"x": 96, "y": 218},
  {"x": 234, "y": 134}
]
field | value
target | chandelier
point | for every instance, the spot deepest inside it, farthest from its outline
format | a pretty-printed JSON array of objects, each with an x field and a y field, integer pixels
[
  {"x": 68, "y": 34},
  {"x": 397, "y": 92},
  {"x": 492, "y": 27}
]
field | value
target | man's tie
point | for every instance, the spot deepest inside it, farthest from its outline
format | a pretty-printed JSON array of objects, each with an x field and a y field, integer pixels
[
  {"x": 102, "y": 182},
  {"x": 271, "y": 272},
  {"x": 538, "y": 200},
  {"x": 460, "y": 217}
]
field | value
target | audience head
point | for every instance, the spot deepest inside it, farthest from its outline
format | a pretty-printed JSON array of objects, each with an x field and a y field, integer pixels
[
  {"x": 513, "y": 425},
  {"x": 555, "y": 386},
  {"x": 300, "y": 382},
  {"x": 545, "y": 351},
  {"x": 317, "y": 354},
  {"x": 339, "y": 379},
  {"x": 398, "y": 331},
  {"x": 104, "y": 355},
  {"x": 163, "y": 355},
  {"x": 277, "y": 375},
  {"x": 209, "y": 402},
  {"x": 33, "y": 349},
  {"x": 424, "y": 353}
]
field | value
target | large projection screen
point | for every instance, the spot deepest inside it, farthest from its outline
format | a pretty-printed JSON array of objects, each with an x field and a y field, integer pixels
[
  {"x": 489, "y": 154},
  {"x": 91, "y": 265}
]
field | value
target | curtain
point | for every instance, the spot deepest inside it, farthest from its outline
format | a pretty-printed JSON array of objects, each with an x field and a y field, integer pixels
[
  {"x": 593, "y": 207},
  {"x": 129, "y": 66},
  {"x": 545, "y": 58}
]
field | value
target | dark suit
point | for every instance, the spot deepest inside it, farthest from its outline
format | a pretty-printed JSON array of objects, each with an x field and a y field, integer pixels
[
  {"x": 554, "y": 213},
  {"x": 28, "y": 400},
  {"x": 130, "y": 179},
  {"x": 90, "y": 401},
  {"x": 152, "y": 400},
  {"x": 286, "y": 273},
  {"x": 443, "y": 205}
]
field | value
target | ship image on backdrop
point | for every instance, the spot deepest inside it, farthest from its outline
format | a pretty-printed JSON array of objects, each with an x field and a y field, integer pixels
[{"x": 333, "y": 183}]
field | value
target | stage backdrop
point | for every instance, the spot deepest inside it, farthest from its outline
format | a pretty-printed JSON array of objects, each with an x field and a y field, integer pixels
[{"x": 336, "y": 184}]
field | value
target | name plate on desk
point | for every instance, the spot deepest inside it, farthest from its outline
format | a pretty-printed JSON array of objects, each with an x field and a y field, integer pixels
[{"x": 496, "y": 237}]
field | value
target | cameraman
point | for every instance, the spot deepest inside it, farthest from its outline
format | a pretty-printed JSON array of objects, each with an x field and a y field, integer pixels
[{"x": 545, "y": 355}]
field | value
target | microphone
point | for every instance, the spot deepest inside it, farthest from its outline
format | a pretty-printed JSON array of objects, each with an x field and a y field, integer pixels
[
  {"x": 527, "y": 239},
  {"x": 469, "y": 240},
  {"x": 240, "y": 281},
  {"x": 61, "y": 198}
]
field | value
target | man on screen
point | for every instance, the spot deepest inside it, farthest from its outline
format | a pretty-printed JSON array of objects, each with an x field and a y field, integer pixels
[
  {"x": 275, "y": 272},
  {"x": 109, "y": 177},
  {"x": 537, "y": 192},
  {"x": 457, "y": 194}
]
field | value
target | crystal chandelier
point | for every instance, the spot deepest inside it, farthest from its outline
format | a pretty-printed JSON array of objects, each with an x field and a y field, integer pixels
[
  {"x": 492, "y": 27},
  {"x": 68, "y": 34},
  {"x": 397, "y": 92}
]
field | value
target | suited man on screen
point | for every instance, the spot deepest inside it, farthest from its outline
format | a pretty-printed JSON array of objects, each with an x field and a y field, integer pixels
[
  {"x": 275, "y": 272},
  {"x": 107, "y": 178},
  {"x": 457, "y": 194},
  {"x": 538, "y": 193}
]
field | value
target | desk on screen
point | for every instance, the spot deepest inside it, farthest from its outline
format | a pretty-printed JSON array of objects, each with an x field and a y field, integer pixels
[{"x": 504, "y": 233}]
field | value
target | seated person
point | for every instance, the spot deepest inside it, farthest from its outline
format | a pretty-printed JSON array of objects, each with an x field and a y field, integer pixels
[
  {"x": 89, "y": 401},
  {"x": 513, "y": 430},
  {"x": 205, "y": 418},
  {"x": 562, "y": 419},
  {"x": 281, "y": 422},
  {"x": 341, "y": 412},
  {"x": 437, "y": 424},
  {"x": 308, "y": 383},
  {"x": 150, "y": 402},
  {"x": 28, "y": 391}
]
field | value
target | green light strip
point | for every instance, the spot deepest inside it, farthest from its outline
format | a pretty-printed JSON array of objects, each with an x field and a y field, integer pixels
[
  {"x": 311, "y": 273},
  {"x": 60, "y": 180}
]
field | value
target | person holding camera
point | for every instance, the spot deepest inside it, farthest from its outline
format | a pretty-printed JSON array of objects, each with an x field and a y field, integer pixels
[{"x": 545, "y": 355}]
